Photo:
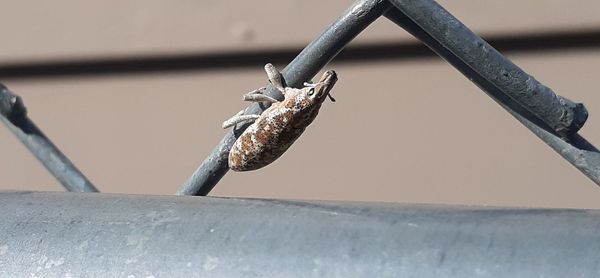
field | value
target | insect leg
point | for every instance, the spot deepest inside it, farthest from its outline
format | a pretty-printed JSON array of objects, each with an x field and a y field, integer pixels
[
  {"x": 275, "y": 77},
  {"x": 309, "y": 84},
  {"x": 239, "y": 118},
  {"x": 258, "y": 91},
  {"x": 258, "y": 96}
]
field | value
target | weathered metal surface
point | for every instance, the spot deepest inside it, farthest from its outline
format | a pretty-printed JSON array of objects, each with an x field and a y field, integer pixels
[{"x": 102, "y": 235}]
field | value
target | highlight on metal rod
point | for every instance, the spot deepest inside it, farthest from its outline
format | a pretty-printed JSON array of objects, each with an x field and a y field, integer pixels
[
  {"x": 14, "y": 115},
  {"x": 312, "y": 59},
  {"x": 562, "y": 115},
  {"x": 580, "y": 153}
]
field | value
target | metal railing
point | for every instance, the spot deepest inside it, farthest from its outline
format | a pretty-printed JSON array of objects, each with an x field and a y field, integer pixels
[
  {"x": 57, "y": 234},
  {"x": 553, "y": 118},
  {"x": 73, "y": 235}
]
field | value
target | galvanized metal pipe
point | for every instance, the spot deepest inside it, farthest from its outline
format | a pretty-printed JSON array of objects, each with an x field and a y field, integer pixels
[
  {"x": 101, "y": 235},
  {"x": 562, "y": 115},
  {"x": 579, "y": 152},
  {"x": 312, "y": 59},
  {"x": 14, "y": 115}
]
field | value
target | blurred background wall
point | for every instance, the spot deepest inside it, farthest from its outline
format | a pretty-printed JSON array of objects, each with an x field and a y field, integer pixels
[{"x": 134, "y": 93}]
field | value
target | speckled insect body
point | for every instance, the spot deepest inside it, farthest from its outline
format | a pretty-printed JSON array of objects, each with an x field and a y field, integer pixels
[{"x": 276, "y": 129}]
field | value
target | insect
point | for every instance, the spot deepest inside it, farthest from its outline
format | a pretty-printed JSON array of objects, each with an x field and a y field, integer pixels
[{"x": 276, "y": 129}]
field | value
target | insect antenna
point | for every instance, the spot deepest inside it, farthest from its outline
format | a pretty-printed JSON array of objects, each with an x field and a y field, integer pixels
[{"x": 331, "y": 97}]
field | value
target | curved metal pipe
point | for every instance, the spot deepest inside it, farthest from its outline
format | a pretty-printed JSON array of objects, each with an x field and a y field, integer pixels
[{"x": 103, "y": 235}]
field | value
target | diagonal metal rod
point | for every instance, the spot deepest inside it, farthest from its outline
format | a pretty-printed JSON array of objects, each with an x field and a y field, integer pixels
[
  {"x": 312, "y": 59},
  {"x": 562, "y": 115},
  {"x": 576, "y": 149},
  {"x": 14, "y": 115}
]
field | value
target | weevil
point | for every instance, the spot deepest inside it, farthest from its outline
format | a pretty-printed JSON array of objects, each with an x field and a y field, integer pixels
[{"x": 276, "y": 129}]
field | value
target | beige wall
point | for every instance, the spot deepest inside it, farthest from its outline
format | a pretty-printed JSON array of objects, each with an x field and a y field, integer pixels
[
  {"x": 401, "y": 131},
  {"x": 72, "y": 29}
]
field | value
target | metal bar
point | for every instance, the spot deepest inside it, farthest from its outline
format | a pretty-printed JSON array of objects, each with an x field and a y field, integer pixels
[
  {"x": 14, "y": 115},
  {"x": 103, "y": 235},
  {"x": 576, "y": 149},
  {"x": 312, "y": 59},
  {"x": 562, "y": 115}
]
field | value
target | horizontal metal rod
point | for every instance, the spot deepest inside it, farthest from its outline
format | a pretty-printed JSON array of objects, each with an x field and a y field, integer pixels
[
  {"x": 312, "y": 59},
  {"x": 102, "y": 235},
  {"x": 14, "y": 115},
  {"x": 560, "y": 114},
  {"x": 576, "y": 149}
]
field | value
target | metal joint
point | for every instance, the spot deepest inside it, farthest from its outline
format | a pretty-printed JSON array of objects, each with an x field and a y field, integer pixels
[{"x": 11, "y": 105}]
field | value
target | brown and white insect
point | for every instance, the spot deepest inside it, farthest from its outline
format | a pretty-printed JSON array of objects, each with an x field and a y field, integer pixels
[{"x": 274, "y": 131}]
